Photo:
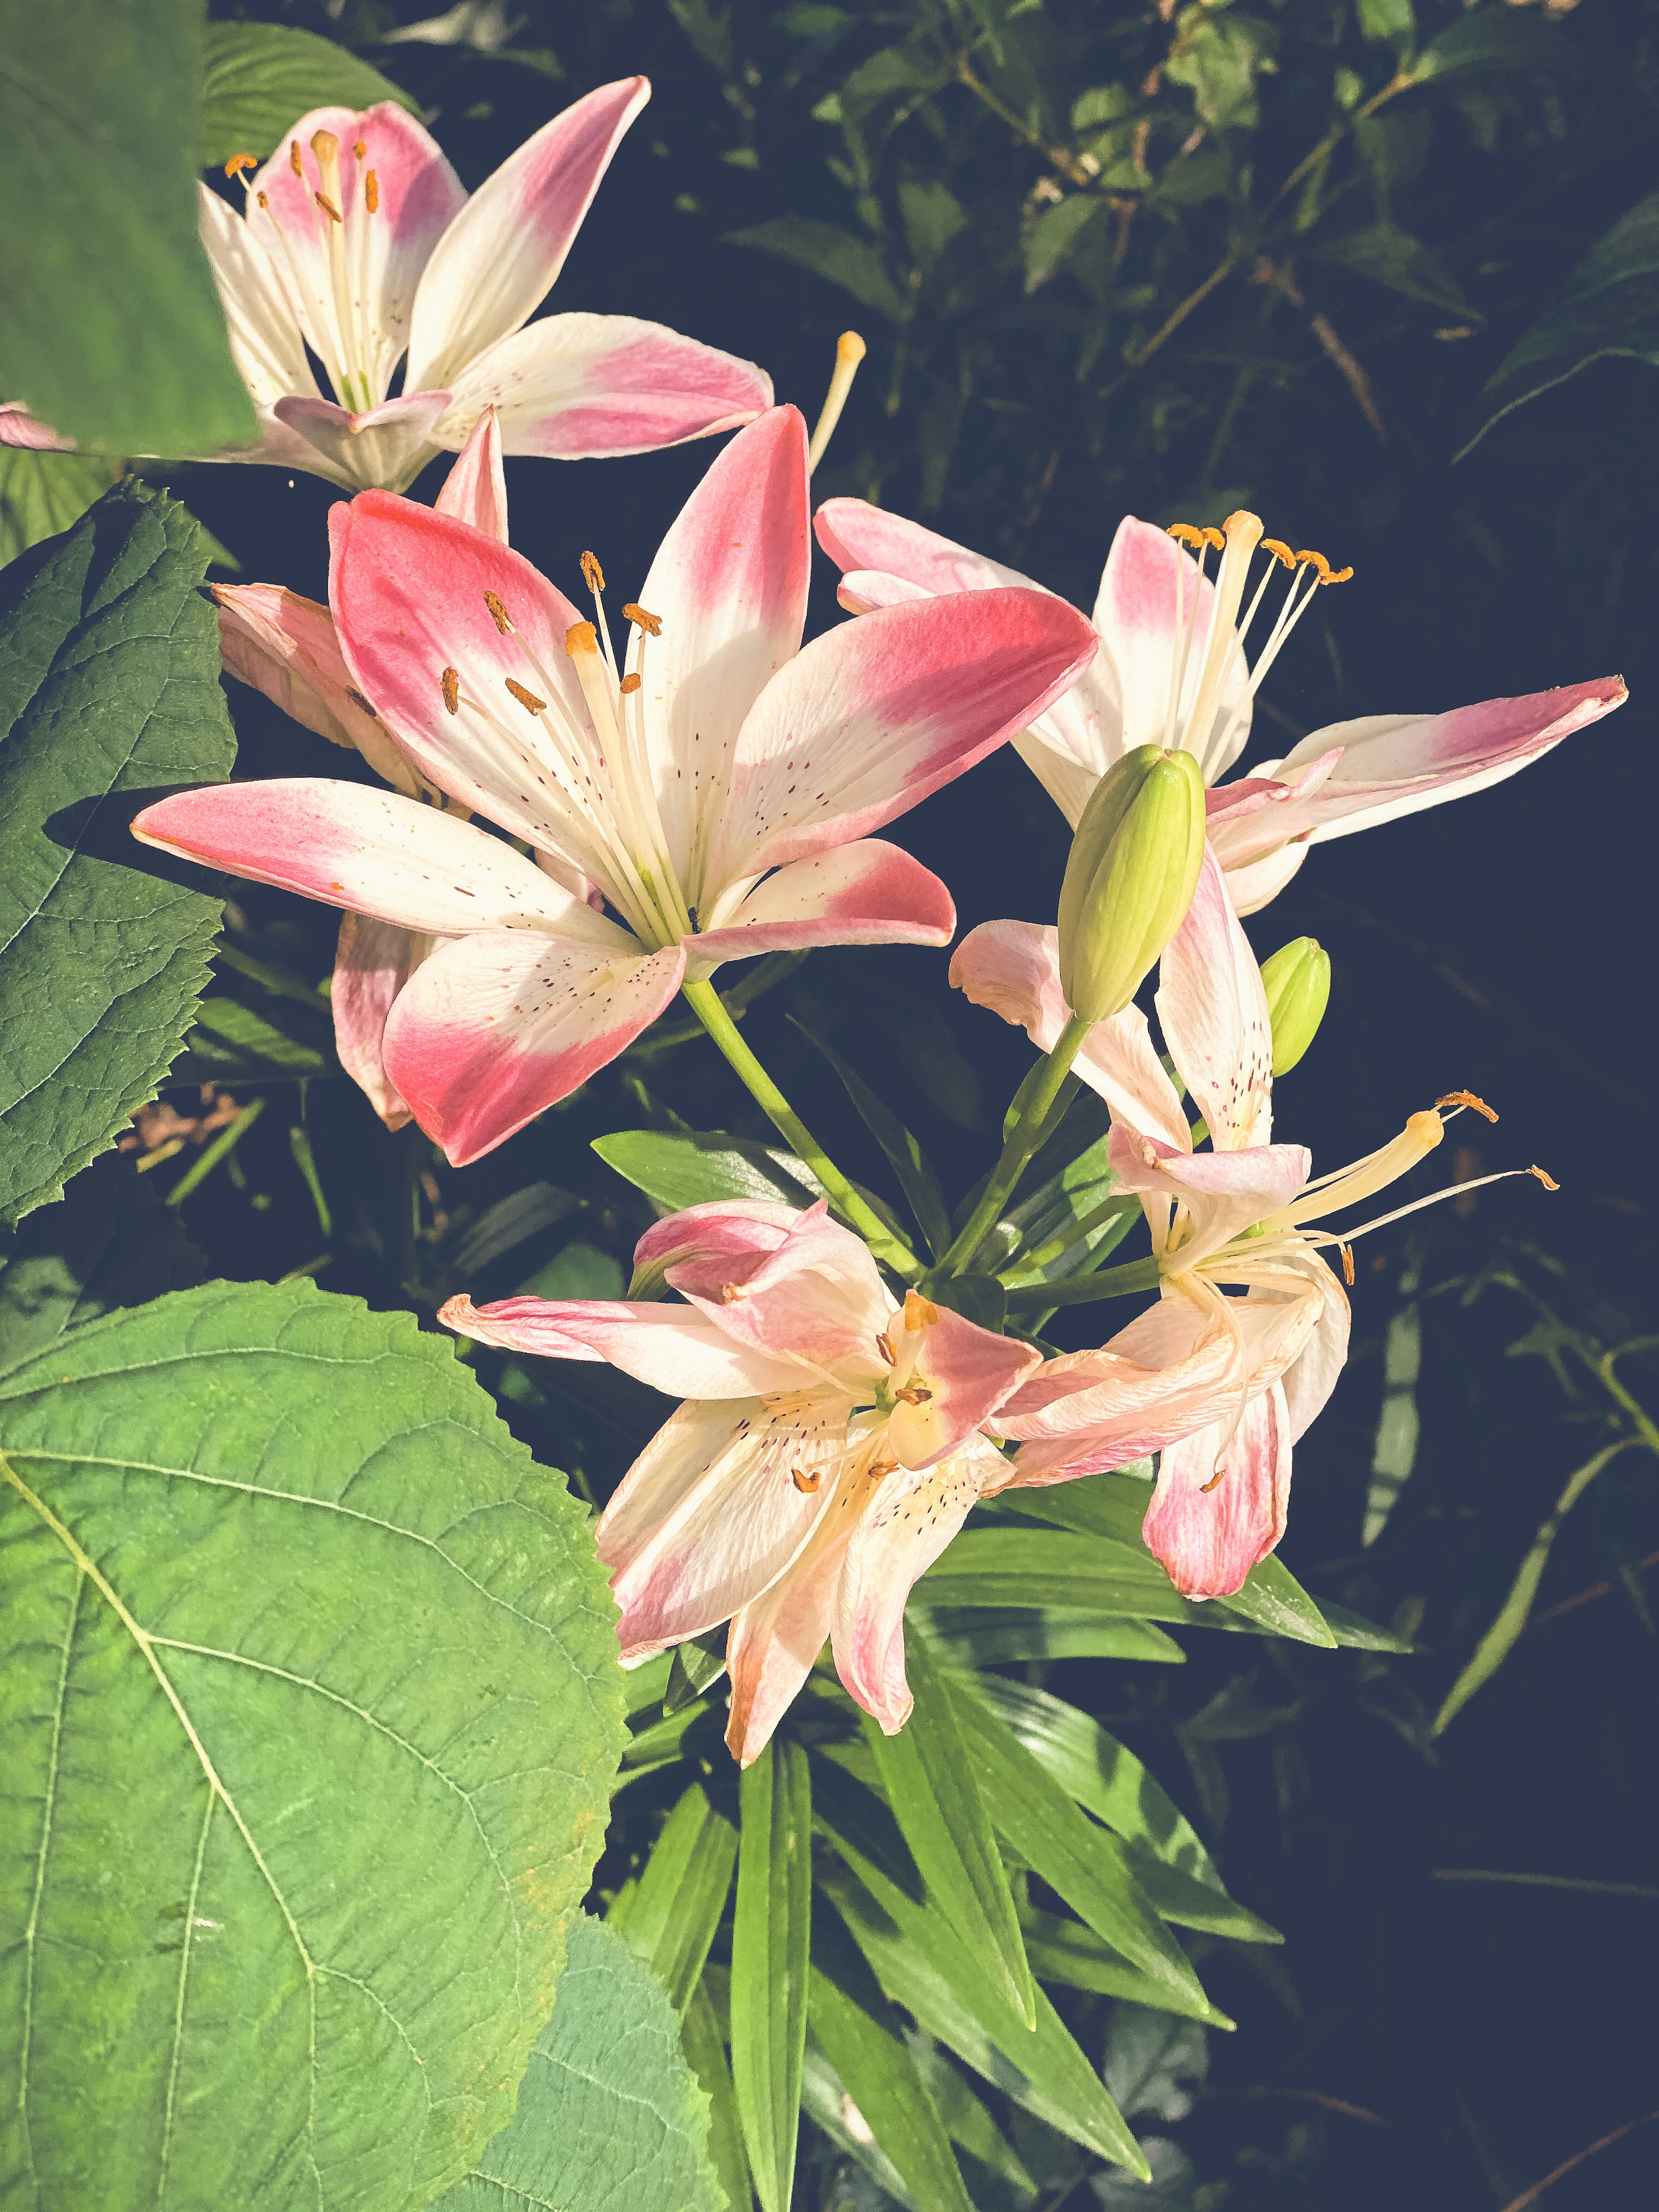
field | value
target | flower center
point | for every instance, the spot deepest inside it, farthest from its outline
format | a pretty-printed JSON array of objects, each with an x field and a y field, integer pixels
[
  {"x": 1200, "y": 727},
  {"x": 327, "y": 291}
]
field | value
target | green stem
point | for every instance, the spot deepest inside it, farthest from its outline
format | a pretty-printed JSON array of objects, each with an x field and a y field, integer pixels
[
  {"x": 705, "y": 1003},
  {"x": 227, "y": 1140},
  {"x": 1024, "y": 1137},
  {"x": 1082, "y": 1290}
]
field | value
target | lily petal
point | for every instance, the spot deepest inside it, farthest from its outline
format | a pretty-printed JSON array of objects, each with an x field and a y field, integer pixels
[
  {"x": 866, "y": 893},
  {"x": 1213, "y": 1012},
  {"x": 497, "y": 1027},
  {"x": 475, "y": 490},
  {"x": 817, "y": 1296},
  {"x": 582, "y": 387},
  {"x": 19, "y": 428},
  {"x": 261, "y": 314},
  {"x": 968, "y": 1371},
  {"x": 1144, "y": 632},
  {"x": 1208, "y": 1534},
  {"x": 729, "y": 588},
  {"x": 373, "y": 961},
  {"x": 1225, "y": 1191},
  {"x": 670, "y": 1348},
  {"x": 724, "y": 1229},
  {"x": 494, "y": 263},
  {"x": 387, "y": 444},
  {"x": 284, "y": 645},
  {"x": 371, "y": 851},
  {"x": 866, "y": 721}
]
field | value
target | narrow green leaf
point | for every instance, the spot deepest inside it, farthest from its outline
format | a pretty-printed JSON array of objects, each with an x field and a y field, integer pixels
[
  {"x": 771, "y": 1938},
  {"x": 113, "y": 330},
  {"x": 705, "y": 2051},
  {"x": 610, "y": 2116},
  {"x": 978, "y": 1299},
  {"x": 231, "y": 1043},
  {"x": 1169, "y": 1861},
  {"x": 273, "y": 1983},
  {"x": 909, "y": 1162},
  {"x": 1276, "y": 1603},
  {"x": 1065, "y": 1951},
  {"x": 931, "y": 1788},
  {"x": 1082, "y": 1864},
  {"x": 988, "y": 1636},
  {"x": 670, "y": 1917},
  {"x": 691, "y": 1169},
  {"x": 863, "y": 2040},
  {"x": 830, "y": 2106},
  {"x": 967, "y": 2122},
  {"x": 257, "y": 80},
  {"x": 109, "y": 682},
  {"x": 698, "y": 1664}
]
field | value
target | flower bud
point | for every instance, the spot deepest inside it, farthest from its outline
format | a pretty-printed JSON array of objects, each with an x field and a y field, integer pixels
[
  {"x": 1131, "y": 877},
  {"x": 1297, "y": 982}
]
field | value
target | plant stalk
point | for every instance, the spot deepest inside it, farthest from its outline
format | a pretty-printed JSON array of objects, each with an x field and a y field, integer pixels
[{"x": 1027, "y": 1133}]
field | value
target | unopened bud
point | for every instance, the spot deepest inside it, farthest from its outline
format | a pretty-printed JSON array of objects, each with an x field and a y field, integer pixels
[
  {"x": 1130, "y": 878},
  {"x": 1297, "y": 982}
]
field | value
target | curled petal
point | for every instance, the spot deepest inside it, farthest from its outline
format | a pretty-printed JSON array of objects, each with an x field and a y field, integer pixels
[
  {"x": 475, "y": 490},
  {"x": 284, "y": 645},
  {"x": 818, "y": 1296},
  {"x": 866, "y": 893},
  {"x": 374, "y": 962},
  {"x": 1210, "y": 1533},
  {"x": 670, "y": 1348}
]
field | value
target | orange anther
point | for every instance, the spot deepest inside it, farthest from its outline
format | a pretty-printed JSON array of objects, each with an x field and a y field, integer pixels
[
  {"x": 238, "y": 162},
  {"x": 628, "y": 684},
  {"x": 372, "y": 192},
  {"x": 498, "y": 613},
  {"x": 1216, "y": 538},
  {"x": 1548, "y": 1181},
  {"x": 919, "y": 1312},
  {"x": 1337, "y": 576},
  {"x": 294, "y": 160},
  {"x": 650, "y": 623},
  {"x": 1206, "y": 1488},
  {"x": 916, "y": 1394},
  {"x": 592, "y": 574},
  {"x": 1280, "y": 551},
  {"x": 883, "y": 1347},
  {"x": 327, "y": 206},
  {"x": 452, "y": 689},
  {"x": 1309, "y": 558},
  {"x": 1346, "y": 1251},
  {"x": 359, "y": 148},
  {"x": 1186, "y": 533},
  {"x": 806, "y": 1484},
  {"x": 264, "y": 201},
  {"x": 1467, "y": 1098},
  {"x": 524, "y": 696}
]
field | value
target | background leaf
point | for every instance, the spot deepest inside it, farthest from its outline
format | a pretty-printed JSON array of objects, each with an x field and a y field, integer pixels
[
  {"x": 295, "y": 1850},
  {"x": 610, "y": 2117},
  {"x": 771, "y": 1936},
  {"x": 112, "y": 331},
  {"x": 109, "y": 684},
  {"x": 259, "y": 78}
]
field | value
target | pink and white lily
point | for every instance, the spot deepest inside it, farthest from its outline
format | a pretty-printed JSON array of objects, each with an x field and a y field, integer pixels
[
  {"x": 830, "y": 1445},
  {"x": 1172, "y": 671},
  {"x": 718, "y": 789},
  {"x": 1220, "y": 1386},
  {"x": 359, "y": 249}
]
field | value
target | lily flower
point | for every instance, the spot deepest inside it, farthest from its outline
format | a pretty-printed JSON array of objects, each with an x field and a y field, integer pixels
[
  {"x": 830, "y": 1445},
  {"x": 1242, "y": 1377},
  {"x": 1172, "y": 671},
  {"x": 359, "y": 249},
  {"x": 717, "y": 787}
]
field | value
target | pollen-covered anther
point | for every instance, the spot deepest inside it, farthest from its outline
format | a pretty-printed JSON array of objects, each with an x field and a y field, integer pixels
[
  {"x": 919, "y": 1312},
  {"x": 914, "y": 1393},
  {"x": 239, "y": 162},
  {"x": 1205, "y": 1488},
  {"x": 451, "y": 682},
  {"x": 806, "y": 1484},
  {"x": 650, "y": 623},
  {"x": 592, "y": 574},
  {"x": 581, "y": 637},
  {"x": 1466, "y": 1098},
  {"x": 526, "y": 698},
  {"x": 730, "y": 1293},
  {"x": 327, "y": 206},
  {"x": 359, "y": 147},
  {"x": 498, "y": 613},
  {"x": 372, "y": 192},
  {"x": 1186, "y": 533},
  {"x": 1280, "y": 551},
  {"x": 294, "y": 160},
  {"x": 264, "y": 198},
  {"x": 884, "y": 1348},
  {"x": 1346, "y": 1250},
  {"x": 628, "y": 684},
  {"x": 1548, "y": 1181}
]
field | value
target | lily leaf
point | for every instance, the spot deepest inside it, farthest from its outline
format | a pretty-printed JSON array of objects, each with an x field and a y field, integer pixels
[
  {"x": 670, "y": 1918},
  {"x": 916, "y": 1178},
  {"x": 1065, "y": 1951},
  {"x": 771, "y": 1939}
]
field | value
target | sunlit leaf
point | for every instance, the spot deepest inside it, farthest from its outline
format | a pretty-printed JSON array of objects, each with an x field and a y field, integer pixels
[
  {"x": 1065, "y": 1951},
  {"x": 670, "y": 1918},
  {"x": 988, "y": 1636},
  {"x": 771, "y": 1939},
  {"x": 705, "y": 2051}
]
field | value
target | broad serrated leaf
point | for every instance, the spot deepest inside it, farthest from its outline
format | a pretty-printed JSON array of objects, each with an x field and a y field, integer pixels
[
  {"x": 854, "y": 263},
  {"x": 312, "y": 1704},
  {"x": 258, "y": 79},
  {"x": 671, "y": 1916},
  {"x": 909, "y": 1162},
  {"x": 112, "y": 1243},
  {"x": 932, "y": 1786},
  {"x": 771, "y": 1936},
  {"x": 109, "y": 684},
  {"x": 113, "y": 330},
  {"x": 610, "y": 2117}
]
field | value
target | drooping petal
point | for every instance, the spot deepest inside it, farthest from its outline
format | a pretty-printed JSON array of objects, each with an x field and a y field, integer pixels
[
  {"x": 1143, "y": 633},
  {"x": 966, "y": 1373},
  {"x": 386, "y": 445},
  {"x": 722, "y": 1229},
  {"x": 866, "y": 893},
  {"x": 1256, "y": 884},
  {"x": 729, "y": 588},
  {"x": 718, "y": 1505},
  {"x": 1312, "y": 1376},
  {"x": 1210, "y": 1533},
  {"x": 494, "y": 265},
  {"x": 374, "y": 852},
  {"x": 372, "y": 964},
  {"x": 475, "y": 490},
  {"x": 818, "y": 1296},
  {"x": 671, "y": 1348},
  {"x": 497, "y": 1028},
  {"x": 284, "y": 645},
  {"x": 1014, "y": 968},
  {"x": 1213, "y": 1012},
  {"x": 350, "y": 275},
  {"x": 1223, "y": 1192},
  {"x": 19, "y": 428},
  {"x": 857, "y": 536},
  {"x": 407, "y": 588},
  {"x": 584, "y": 388},
  {"x": 897, "y": 1539},
  {"x": 866, "y": 721}
]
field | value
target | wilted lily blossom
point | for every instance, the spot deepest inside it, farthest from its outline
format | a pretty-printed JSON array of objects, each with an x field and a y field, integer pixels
[
  {"x": 714, "y": 784},
  {"x": 1242, "y": 1378},
  {"x": 830, "y": 1445},
  {"x": 1173, "y": 671}
]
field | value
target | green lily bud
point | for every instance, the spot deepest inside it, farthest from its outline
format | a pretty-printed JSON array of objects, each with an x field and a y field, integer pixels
[
  {"x": 1130, "y": 878},
  {"x": 1297, "y": 982}
]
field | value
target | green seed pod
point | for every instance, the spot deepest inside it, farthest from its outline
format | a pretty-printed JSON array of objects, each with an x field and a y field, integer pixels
[
  {"x": 1297, "y": 982},
  {"x": 1130, "y": 878}
]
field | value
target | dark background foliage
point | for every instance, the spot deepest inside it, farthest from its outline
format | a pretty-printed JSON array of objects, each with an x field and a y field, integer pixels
[{"x": 1022, "y": 208}]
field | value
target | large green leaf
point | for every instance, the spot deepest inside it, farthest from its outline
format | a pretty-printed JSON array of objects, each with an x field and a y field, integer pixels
[
  {"x": 610, "y": 2117},
  {"x": 311, "y": 1703},
  {"x": 109, "y": 683},
  {"x": 41, "y": 494},
  {"x": 771, "y": 1939},
  {"x": 113, "y": 330},
  {"x": 259, "y": 78}
]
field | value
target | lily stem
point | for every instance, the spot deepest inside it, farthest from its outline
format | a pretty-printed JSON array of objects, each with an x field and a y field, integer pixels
[
  {"x": 1082, "y": 1290},
  {"x": 1023, "y": 1139},
  {"x": 705, "y": 1003}
]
